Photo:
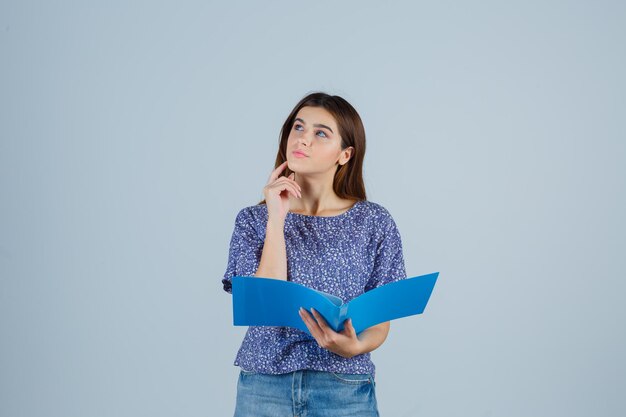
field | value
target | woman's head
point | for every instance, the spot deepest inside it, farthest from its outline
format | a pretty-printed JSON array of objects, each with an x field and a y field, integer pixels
[{"x": 329, "y": 131}]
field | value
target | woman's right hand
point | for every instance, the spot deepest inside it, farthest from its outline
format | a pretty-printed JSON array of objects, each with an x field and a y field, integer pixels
[{"x": 277, "y": 191}]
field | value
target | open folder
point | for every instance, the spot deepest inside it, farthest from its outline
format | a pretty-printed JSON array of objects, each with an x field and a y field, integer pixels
[{"x": 261, "y": 301}]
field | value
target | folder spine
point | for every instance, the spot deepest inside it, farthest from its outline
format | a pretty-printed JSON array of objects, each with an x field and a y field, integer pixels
[{"x": 343, "y": 312}]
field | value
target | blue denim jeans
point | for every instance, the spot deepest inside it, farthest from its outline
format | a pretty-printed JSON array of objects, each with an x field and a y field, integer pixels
[{"x": 305, "y": 393}]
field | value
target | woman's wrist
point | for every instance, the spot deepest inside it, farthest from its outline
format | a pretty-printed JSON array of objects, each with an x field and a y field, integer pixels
[{"x": 274, "y": 223}]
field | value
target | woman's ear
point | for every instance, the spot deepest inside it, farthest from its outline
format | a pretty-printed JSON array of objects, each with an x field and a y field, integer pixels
[{"x": 345, "y": 155}]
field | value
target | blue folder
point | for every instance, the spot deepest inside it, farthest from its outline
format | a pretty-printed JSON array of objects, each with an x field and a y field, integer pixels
[{"x": 261, "y": 301}]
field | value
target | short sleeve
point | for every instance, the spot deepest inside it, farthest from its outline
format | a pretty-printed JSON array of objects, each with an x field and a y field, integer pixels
[
  {"x": 389, "y": 259},
  {"x": 246, "y": 247}
]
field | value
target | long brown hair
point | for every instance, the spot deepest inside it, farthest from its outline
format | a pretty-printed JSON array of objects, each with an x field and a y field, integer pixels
[{"x": 348, "y": 181}]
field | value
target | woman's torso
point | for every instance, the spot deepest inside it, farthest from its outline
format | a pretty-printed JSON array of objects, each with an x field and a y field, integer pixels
[{"x": 332, "y": 254}]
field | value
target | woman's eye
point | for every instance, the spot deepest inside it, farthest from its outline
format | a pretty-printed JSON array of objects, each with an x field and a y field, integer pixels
[{"x": 296, "y": 126}]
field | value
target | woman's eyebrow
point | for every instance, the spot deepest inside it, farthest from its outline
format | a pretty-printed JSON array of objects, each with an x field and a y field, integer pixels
[{"x": 316, "y": 124}]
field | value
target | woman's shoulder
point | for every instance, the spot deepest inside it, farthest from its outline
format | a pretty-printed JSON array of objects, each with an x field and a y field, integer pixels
[
  {"x": 379, "y": 217},
  {"x": 252, "y": 214},
  {"x": 255, "y": 208},
  {"x": 376, "y": 210}
]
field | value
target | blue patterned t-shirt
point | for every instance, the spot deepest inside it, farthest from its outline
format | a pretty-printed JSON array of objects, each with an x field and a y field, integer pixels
[{"x": 344, "y": 255}]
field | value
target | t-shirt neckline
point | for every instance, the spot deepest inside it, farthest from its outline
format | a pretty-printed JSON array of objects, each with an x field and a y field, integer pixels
[{"x": 345, "y": 213}]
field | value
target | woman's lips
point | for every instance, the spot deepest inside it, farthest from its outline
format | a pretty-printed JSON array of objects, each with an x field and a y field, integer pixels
[{"x": 299, "y": 154}]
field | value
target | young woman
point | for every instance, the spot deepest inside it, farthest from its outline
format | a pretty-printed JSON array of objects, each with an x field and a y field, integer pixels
[{"x": 314, "y": 227}]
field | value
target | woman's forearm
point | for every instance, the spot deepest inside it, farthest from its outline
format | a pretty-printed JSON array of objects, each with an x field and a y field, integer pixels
[
  {"x": 273, "y": 263},
  {"x": 372, "y": 337}
]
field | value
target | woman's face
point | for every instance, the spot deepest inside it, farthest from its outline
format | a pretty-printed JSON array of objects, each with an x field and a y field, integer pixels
[{"x": 314, "y": 132}]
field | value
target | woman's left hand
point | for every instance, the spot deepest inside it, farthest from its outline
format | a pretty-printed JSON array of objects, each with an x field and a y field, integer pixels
[{"x": 345, "y": 343}]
